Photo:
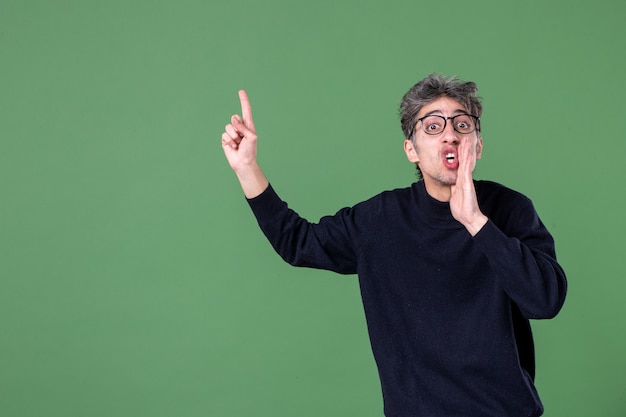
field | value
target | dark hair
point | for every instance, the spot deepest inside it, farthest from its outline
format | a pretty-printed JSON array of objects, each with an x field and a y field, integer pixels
[{"x": 430, "y": 89}]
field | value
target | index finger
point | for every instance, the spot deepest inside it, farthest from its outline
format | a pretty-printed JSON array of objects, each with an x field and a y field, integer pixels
[{"x": 246, "y": 110}]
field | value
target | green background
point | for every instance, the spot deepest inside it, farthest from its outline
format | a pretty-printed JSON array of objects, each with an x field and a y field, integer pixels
[{"x": 134, "y": 281}]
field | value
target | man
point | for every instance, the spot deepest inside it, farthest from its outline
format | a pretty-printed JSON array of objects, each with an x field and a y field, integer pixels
[{"x": 450, "y": 269}]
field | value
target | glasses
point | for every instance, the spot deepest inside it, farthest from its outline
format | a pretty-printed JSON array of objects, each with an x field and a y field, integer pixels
[{"x": 434, "y": 124}]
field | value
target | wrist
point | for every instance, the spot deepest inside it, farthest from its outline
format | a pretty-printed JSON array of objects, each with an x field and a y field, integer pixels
[
  {"x": 252, "y": 179},
  {"x": 474, "y": 226}
]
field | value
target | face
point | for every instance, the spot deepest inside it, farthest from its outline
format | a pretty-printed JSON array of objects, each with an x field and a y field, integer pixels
[{"x": 437, "y": 155}]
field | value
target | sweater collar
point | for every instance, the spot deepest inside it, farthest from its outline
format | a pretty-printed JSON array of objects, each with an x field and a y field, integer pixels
[{"x": 432, "y": 209}]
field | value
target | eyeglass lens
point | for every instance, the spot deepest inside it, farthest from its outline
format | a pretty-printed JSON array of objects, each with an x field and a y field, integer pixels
[{"x": 462, "y": 123}]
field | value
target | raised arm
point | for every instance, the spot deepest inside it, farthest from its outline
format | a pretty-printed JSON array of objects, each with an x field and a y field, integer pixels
[{"x": 239, "y": 142}]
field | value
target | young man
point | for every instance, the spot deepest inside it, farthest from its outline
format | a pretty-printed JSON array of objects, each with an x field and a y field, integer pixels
[{"x": 450, "y": 269}]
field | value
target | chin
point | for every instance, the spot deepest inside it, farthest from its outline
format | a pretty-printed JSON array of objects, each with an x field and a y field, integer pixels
[
  {"x": 443, "y": 181},
  {"x": 447, "y": 179}
]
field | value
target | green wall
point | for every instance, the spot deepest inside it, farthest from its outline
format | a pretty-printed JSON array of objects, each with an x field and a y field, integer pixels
[{"x": 133, "y": 278}]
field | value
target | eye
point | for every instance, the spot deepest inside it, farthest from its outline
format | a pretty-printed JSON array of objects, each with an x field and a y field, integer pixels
[
  {"x": 433, "y": 124},
  {"x": 463, "y": 123}
]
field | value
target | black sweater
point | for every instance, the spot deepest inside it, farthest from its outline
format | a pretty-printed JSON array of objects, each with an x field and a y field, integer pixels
[{"x": 447, "y": 313}]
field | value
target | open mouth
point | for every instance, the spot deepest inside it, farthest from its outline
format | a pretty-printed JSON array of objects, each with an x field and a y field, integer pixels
[{"x": 450, "y": 158}]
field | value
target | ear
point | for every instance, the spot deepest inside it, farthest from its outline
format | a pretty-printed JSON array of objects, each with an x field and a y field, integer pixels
[
  {"x": 479, "y": 147},
  {"x": 411, "y": 152}
]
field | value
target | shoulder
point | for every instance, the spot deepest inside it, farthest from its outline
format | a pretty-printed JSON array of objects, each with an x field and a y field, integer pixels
[
  {"x": 386, "y": 196},
  {"x": 397, "y": 197},
  {"x": 382, "y": 204},
  {"x": 506, "y": 207},
  {"x": 492, "y": 193}
]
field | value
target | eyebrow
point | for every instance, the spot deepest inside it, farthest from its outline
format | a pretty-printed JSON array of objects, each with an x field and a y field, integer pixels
[{"x": 457, "y": 111}]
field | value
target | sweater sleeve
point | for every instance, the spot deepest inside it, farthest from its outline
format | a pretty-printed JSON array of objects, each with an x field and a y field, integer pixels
[
  {"x": 328, "y": 244},
  {"x": 521, "y": 252}
]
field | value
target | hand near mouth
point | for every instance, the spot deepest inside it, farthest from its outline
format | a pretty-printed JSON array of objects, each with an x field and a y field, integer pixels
[{"x": 463, "y": 200}]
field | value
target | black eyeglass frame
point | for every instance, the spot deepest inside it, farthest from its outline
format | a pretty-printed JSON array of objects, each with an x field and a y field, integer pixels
[{"x": 445, "y": 123}]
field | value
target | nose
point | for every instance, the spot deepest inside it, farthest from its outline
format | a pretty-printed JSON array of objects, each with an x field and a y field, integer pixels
[{"x": 449, "y": 134}]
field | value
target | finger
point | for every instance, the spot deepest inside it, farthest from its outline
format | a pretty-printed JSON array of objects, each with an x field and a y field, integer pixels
[
  {"x": 233, "y": 133},
  {"x": 468, "y": 154},
  {"x": 241, "y": 128},
  {"x": 467, "y": 146},
  {"x": 246, "y": 109},
  {"x": 227, "y": 140}
]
